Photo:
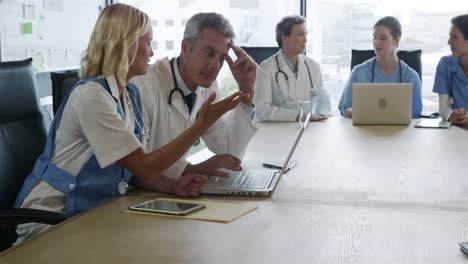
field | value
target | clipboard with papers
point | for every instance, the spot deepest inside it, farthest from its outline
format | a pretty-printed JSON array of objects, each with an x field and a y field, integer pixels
[{"x": 433, "y": 123}]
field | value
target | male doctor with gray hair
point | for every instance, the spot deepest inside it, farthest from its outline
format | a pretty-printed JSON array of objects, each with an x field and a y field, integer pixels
[{"x": 173, "y": 91}]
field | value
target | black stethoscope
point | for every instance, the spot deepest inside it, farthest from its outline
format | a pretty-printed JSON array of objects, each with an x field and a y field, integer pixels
[
  {"x": 279, "y": 71},
  {"x": 373, "y": 69},
  {"x": 176, "y": 89}
]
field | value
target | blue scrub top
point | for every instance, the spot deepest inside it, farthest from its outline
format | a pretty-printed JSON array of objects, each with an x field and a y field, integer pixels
[
  {"x": 450, "y": 79},
  {"x": 362, "y": 73}
]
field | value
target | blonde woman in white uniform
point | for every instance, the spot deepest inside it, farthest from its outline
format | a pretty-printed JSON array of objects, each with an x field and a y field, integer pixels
[{"x": 289, "y": 78}]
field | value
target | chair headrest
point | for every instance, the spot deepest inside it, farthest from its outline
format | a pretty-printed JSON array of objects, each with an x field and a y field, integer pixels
[
  {"x": 260, "y": 54},
  {"x": 17, "y": 84}
]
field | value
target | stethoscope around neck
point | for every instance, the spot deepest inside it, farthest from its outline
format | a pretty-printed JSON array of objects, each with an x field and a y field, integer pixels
[
  {"x": 281, "y": 72},
  {"x": 373, "y": 70},
  {"x": 140, "y": 128},
  {"x": 175, "y": 90}
]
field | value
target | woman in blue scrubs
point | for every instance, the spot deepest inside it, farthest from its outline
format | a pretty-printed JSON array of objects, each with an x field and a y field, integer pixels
[
  {"x": 385, "y": 67},
  {"x": 451, "y": 80}
]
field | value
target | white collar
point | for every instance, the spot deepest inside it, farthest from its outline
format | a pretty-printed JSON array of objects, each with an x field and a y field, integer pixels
[
  {"x": 179, "y": 80},
  {"x": 288, "y": 63}
]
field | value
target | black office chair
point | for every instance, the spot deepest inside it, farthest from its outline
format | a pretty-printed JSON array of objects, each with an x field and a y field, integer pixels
[
  {"x": 412, "y": 58},
  {"x": 260, "y": 54},
  {"x": 62, "y": 82},
  {"x": 22, "y": 140}
]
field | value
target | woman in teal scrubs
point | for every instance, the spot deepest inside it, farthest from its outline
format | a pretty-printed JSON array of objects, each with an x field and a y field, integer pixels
[
  {"x": 385, "y": 67},
  {"x": 451, "y": 80}
]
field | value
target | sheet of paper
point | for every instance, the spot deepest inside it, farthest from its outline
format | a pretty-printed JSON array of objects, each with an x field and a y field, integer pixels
[
  {"x": 27, "y": 28},
  {"x": 57, "y": 57},
  {"x": 214, "y": 211},
  {"x": 29, "y": 12}
]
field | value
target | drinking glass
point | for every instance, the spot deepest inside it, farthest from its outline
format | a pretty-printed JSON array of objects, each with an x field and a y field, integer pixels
[{"x": 304, "y": 109}]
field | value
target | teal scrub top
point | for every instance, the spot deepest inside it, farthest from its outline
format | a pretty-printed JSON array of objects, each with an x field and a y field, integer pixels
[
  {"x": 450, "y": 79},
  {"x": 362, "y": 73}
]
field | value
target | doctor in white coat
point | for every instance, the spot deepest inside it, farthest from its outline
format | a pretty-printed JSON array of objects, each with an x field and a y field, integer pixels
[
  {"x": 173, "y": 90},
  {"x": 289, "y": 80}
]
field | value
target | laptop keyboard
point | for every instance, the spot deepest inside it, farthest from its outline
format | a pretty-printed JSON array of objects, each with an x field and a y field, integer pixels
[{"x": 245, "y": 179}]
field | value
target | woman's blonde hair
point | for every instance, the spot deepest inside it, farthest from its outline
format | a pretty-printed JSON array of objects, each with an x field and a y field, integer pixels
[{"x": 114, "y": 41}]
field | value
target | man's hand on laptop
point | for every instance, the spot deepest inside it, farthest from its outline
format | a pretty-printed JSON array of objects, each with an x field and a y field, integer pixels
[
  {"x": 212, "y": 166},
  {"x": 190, "y": 184}
]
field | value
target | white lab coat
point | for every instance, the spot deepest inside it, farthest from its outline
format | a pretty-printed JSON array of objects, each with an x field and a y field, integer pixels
[
  {"x": 230, "y": 134},
  {"x": 280, "y": 103}
]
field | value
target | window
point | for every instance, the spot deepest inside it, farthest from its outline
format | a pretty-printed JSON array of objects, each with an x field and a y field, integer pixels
[
  {"x": 184, "y": 3},
  {"x": 154, "y": 45},
  {"x": 336, "y": 27},
  {"x": 246, "y": 4},
  {"x": 169, "y": 23},
  {"x": 169, "y": 45},
  {"x": 253, "y": 22}
]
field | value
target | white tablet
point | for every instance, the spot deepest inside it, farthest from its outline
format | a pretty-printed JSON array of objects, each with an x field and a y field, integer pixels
[{"x": 433, "y": 123}]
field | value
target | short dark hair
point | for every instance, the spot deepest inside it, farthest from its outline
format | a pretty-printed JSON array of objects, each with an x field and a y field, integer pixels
[
  {"x": 461, "y": 22},
  {"x": 284, "y": 27},
  {"x": 392, "y": 24}
]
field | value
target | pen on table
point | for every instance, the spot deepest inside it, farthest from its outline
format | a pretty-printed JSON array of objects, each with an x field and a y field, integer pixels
[
  {"x": 271, "y": 166},
  {"x": 291, "y": 165}
]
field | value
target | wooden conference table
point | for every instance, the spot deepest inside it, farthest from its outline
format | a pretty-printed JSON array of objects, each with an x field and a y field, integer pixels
[{"x": 367, "y": 194}]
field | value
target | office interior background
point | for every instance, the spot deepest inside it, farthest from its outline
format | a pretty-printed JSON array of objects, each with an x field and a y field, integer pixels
[
  {"x": 334, "y": 28},
  {"x": 406, "y": 201}
]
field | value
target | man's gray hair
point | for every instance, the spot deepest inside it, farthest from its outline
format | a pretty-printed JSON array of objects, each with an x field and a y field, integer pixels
[
  {"x": 284, "y": 27},
  {"x": 201, "y": 21}
]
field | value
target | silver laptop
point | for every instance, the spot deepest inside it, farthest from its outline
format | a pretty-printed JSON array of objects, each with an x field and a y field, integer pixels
[
  {"x": 382, "y": 103},
  {"x": 251, "y": 182}
]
